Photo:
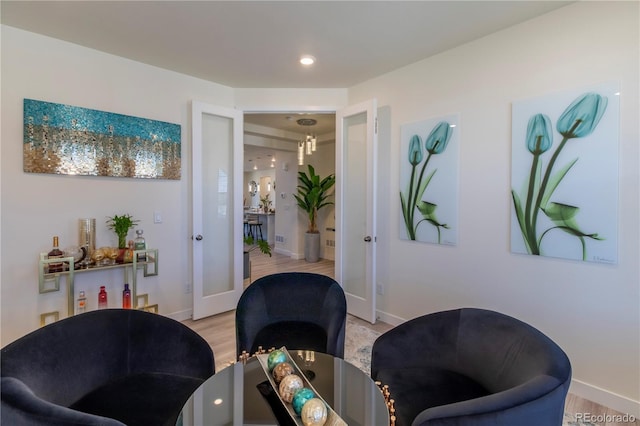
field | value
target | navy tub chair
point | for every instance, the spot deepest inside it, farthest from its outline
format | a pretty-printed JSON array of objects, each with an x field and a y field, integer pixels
[{"x": 472, "y": 367}]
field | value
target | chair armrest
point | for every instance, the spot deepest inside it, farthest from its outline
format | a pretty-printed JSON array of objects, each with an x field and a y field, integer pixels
[
  {"x": 21, "y": 407},
  {"x": 539, "y": 398}
]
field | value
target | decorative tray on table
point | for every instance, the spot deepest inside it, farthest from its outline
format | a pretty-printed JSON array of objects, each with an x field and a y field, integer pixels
[{"x": 301, "y": 402}]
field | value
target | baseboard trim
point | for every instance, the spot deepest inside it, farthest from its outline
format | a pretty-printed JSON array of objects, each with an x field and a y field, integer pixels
[
  {"x": 181, "y": 315},
  {"x": 282, "y": 251},
  {"x": 389, "y": 318},
  {"x": 604, "y": 397},
  {"x": 294, "y": 256}
]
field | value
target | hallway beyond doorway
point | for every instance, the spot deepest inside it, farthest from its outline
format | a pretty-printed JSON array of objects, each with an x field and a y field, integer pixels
[{"x": 262, "y": 264}]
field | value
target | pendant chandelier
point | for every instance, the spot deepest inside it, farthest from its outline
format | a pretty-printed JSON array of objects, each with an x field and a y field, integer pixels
[{"x": 308, "y": 145}]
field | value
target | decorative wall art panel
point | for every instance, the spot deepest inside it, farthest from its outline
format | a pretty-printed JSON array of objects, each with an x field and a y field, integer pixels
[
  {"x": 429, "y": 180},
  {"x": 564, "y": 178},
  {"x": 69, "y": 140}
]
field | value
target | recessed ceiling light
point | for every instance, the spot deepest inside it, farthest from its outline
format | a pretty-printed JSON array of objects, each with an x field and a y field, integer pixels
[{"x": 307, "y": 60}]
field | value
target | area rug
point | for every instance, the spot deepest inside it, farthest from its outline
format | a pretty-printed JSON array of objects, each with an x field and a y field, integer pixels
[
  {"x": 358, "y": 341},
  {"x": 357, "y": 351}
]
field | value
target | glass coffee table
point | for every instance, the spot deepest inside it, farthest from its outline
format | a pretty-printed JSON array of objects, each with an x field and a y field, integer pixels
[{"x": 233, "y": 395}]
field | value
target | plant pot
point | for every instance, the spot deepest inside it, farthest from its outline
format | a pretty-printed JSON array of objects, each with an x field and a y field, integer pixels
[
  {"x": 246, "y": 265},
  {"x": 120, "y": 258},
  {"x": 311, "y": 247}
]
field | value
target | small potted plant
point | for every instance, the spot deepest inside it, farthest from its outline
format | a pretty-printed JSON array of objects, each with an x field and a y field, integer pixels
[
  {"x": 121, "y": 225},
  {"x": 265, "y": 203}
]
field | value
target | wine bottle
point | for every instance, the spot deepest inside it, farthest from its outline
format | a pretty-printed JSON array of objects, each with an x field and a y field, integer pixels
[
  {"x": 126, "y": 297},
  {"x": 102, "y": 298},
  {"x": 55, "y": 253}
]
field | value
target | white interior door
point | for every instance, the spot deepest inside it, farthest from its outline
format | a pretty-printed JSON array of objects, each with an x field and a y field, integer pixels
[
  {"x": 356, "y": 158},
  {"x": 217, "y": 198}
]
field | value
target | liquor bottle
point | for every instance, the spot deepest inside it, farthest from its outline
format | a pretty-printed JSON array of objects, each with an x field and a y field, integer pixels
[
  {"x": 140, "y": 244},
  {"x": 55, "y": 253},
  {"x": 82, "y": 303},
  {"x": 102, "y": 298},
  {"x": 128, "y": 253},
  {"x": 126, "y": 297}
]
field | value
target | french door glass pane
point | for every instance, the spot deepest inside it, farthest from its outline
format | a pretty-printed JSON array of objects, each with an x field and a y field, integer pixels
[
  {"x": 217, "y": 204},
  {"x": 355, "y": 203}
]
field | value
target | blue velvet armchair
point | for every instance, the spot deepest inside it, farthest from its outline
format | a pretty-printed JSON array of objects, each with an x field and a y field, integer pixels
[
  {"x": 472, "y": 367},
  {"x": 299, "y": 310},
  {"x": 107, "y": 367}
]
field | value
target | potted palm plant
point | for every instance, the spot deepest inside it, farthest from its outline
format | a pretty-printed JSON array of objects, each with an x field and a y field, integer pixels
[
  {"x": 265, "y": 203},
  {"x": 313, "y": 194}
]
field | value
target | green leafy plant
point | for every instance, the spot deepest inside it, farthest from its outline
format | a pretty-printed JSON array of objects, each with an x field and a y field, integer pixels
[
  {"x": 265, "y": 202},
  {"x": 121, "y": 225},
  {"x": 313, "y": 192},
  {"x": 251, "y": 244}
]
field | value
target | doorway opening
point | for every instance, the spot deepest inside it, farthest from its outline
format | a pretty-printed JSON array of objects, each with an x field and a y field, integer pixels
[{"x": 271, "y": 142}]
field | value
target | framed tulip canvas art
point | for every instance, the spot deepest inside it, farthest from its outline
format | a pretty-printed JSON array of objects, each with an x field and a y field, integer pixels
[
  {"x": 429, "y": 180},
  {"x": 564, "y": 179}
]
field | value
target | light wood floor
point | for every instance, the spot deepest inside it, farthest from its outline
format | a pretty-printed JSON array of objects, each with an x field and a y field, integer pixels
[{"x": 219, "y": 330}]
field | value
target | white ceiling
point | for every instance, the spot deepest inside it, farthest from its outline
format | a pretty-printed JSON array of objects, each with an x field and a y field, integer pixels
[
  {"x": 245, "y": 44},
  {"x": 261, "y": 157},
  {"x": 257, "y": 44}
]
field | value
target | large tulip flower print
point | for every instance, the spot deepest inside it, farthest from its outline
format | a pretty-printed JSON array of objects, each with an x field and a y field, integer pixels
[
  {"x": 578, "y": 120},
  {"x": 411, "y": 200}
]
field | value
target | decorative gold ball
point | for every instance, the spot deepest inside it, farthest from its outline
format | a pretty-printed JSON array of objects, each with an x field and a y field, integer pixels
[
  {"x": 314, "y": 413},
  {"x": 288, "y": 386},
  {"x": 282, "y": 370}
]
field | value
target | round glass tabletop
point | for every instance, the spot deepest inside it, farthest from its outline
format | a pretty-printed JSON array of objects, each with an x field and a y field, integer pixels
[{"x": 233, "y": 395}]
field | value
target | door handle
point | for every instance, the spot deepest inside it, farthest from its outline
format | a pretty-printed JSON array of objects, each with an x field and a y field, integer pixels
[
  {"x": 198, "y": 237},
  {"x": 367, "y": 239}
]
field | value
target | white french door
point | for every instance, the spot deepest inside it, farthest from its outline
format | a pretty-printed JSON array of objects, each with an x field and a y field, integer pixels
[
  {"x": 356, "y": 159},
  {"x": 217, "y": 152}
]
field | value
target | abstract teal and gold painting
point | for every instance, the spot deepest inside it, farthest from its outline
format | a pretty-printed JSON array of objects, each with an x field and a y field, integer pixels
[
  {"x": 564, "y": 175},
  {"x": 70, "y": 140}
]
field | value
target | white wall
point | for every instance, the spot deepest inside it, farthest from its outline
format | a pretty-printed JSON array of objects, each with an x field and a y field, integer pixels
[
  {"x": 290, "y": 100},
  {"x": 591, "y": 310},
  {"x": 37, "y": 206},
  {"x": 286, "y": 220}
]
